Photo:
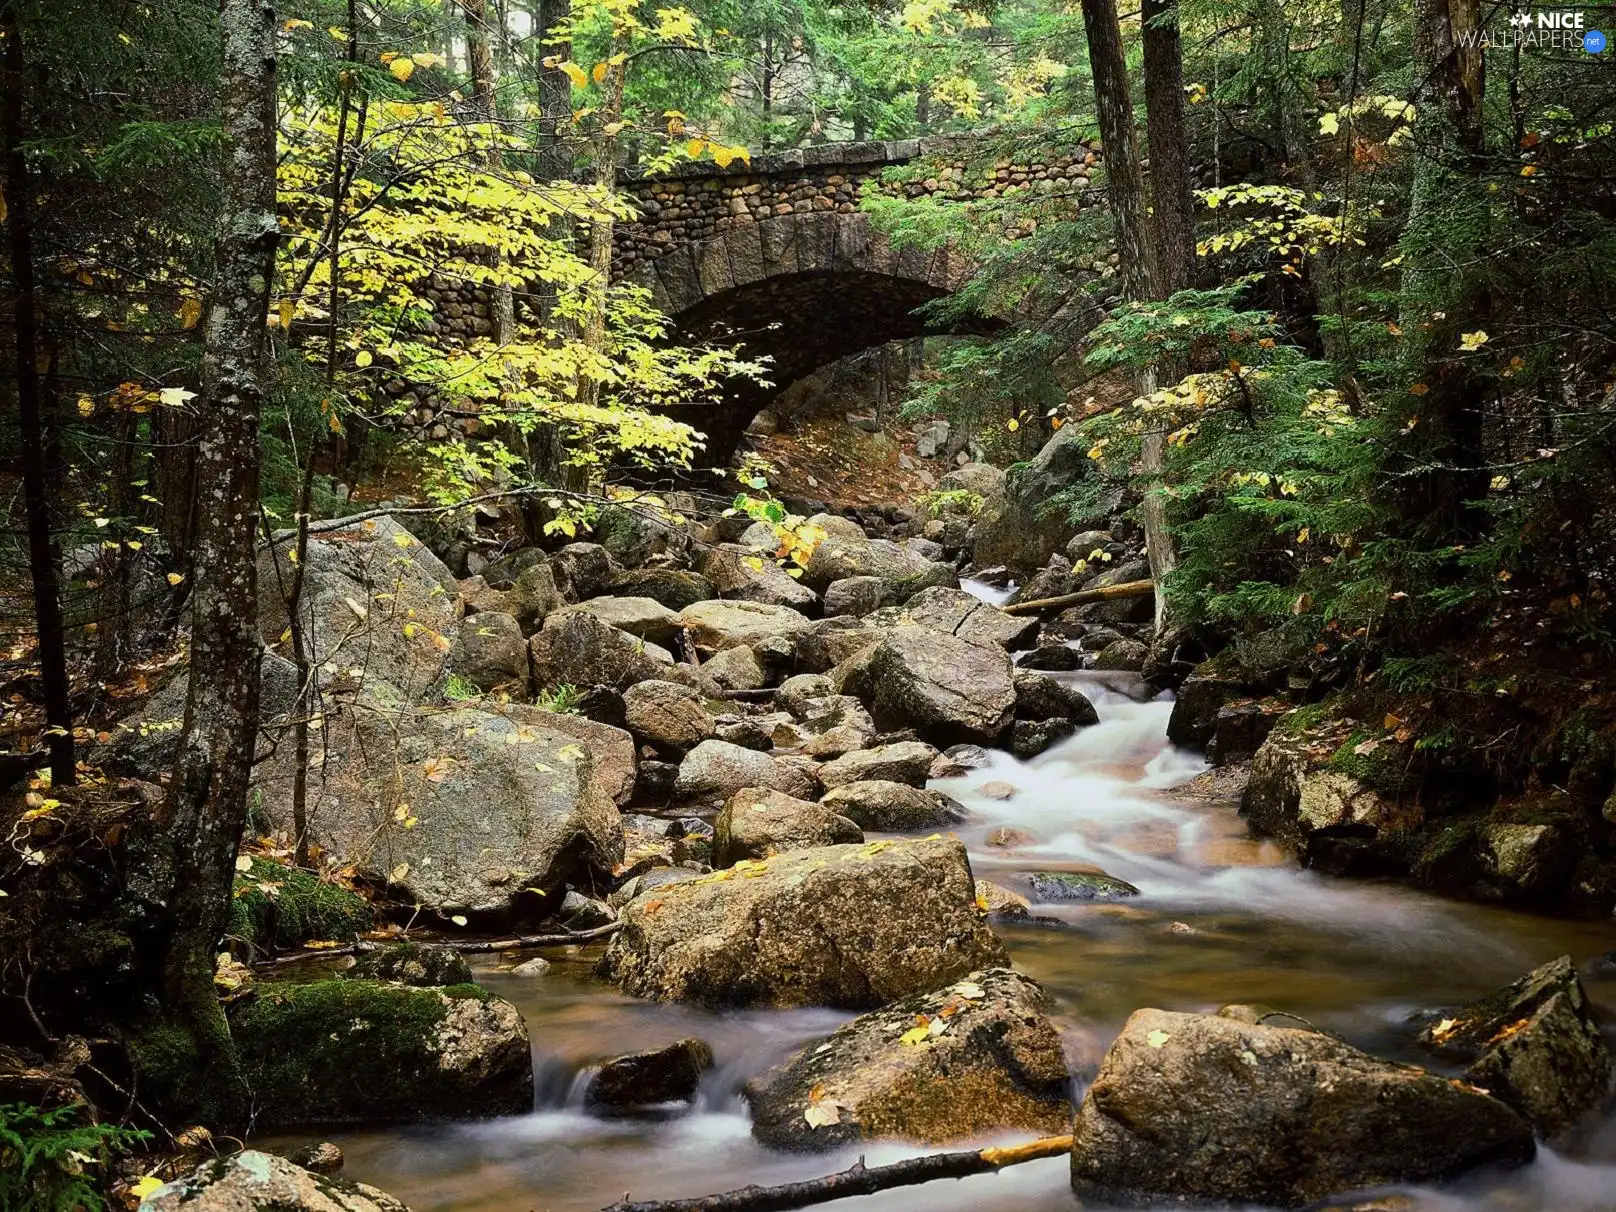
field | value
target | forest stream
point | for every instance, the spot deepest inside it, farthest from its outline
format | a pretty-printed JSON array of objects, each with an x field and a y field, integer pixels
[{"x": 1221, "y": 919}]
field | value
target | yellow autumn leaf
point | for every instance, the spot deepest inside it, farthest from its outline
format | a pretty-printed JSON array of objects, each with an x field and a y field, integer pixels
[
  {"x": 1330, "y": 124},
  {"x": 176, "y": 578},
  {"x": 363, "y": 359},
  {"x": 1012, "y": 425},
  {"x": 694, "y": 147},
  {"x": 574, "y": 73},
  {"x": 292, "y": 23},
  {"x": 915, "y": 1035},
  {"x": 600, "y": 72},
  {"x": 190, "y": 313},
  {"x": 426, "y": 59},
  {"x": 402, "y": 69},
  {"x": 1157, "y": 1038},
  {"x": 147, "y": 1183},
  {"x": 1473, "y": 340}
]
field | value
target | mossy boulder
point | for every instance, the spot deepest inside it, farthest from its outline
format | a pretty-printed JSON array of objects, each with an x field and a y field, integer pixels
[
  {"x": 420, "y": 964},
  {"x": 253, "y": 1180},
  {"x": 1053, "y": 886},
  {"x": 360, "y": 1051},
  {"x": 276, "y": 906},
  {"x": 985, "y": 1059}
]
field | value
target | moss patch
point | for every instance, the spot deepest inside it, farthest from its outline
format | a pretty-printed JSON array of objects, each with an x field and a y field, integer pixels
[{"x": 279, "y": 906}]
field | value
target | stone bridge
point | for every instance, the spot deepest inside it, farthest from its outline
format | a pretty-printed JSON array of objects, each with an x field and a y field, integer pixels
[{"x": 777, "y": 255}]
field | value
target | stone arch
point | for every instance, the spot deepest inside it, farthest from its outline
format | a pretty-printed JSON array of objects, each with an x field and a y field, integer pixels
[{"x": 802, "y": 289}]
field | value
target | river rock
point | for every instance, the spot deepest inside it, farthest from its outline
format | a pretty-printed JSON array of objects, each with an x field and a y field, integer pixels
[
  {"x": 736, "y": 668},
  {"x": 887, "y": 807},
  {"x": 1052, "y": 655},
  {"x": 970, "y": 618},
  {"x": 902, "y": 762},
  {"x": 857, "y": 596},
  {"x": 757, "y": 822},
  {"x": 675, "y": 588},
  {"x": 376, "y": 606},
  {"x": 796, "y": 694},
  {"x": 1029, "y": 738},
  {"x": 837, "y": 527},
  {"x": 1212, "y": 685},
  {"x": 355, "y": 1051},
  {"x": 671, "y": 718},
  {"x": 611, "y": 749},
  {"x": 943, "y": 687},
  {"x": 490, "y": 653},
  {"x": 584, "y": 570},
  {"x": 826, "y": 643},
  {"x": 715, "y": 770},
  {"x": 633, "y": 534},
  {"x": 1017, "y": 526},
  {"x": 1535, "y": 1044},
  {"x": 642, "y": 617},
  {"x": 1197, "y": 1109},
  {"x": 584, "y": 650},
  {"x": 903, "y": 572},
  {"x": 457, "y": 809},
  {"x": 716, "y": 625},
  {"x": 251, "y": 1180},
  {"x": 502, "y": 573},
  {"x": 533, "y": 596},
  {"x": 995, "y": 1064},
  {"x": 834, "y": 726},
  {"x": 420, "y": 964},
  {"x": 1043, "y": 698},
  {"x": 743, "y": 574},
  {"x": 649, "y": 1080},
  {"x": 849, "y": 926},
  {"x": 1051, "y": 886},
  {"x": 1123, "y": 656}
]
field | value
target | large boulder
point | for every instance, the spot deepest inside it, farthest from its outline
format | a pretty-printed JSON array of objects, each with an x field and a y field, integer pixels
[
  {"x": 907, "y": 762},
  {"x": 673, "y": 587},
  {"x": 457, "y": 809},
  {"x": 583, "y": 650},
  {"x": 887, "y": 807},
  {"x": 837, "y": 527},
  {"x": 669, "y": 717},
  {"x": 850, "y": 926},
  {"x": 717, "y": 625},
  {"x": 612, "y": 754},
  {"x": 758, "y": 822},
  {"x": 1043, "y": 698},
  {"x": 984, "y": 479},
  {"x": 970, "y": 618},
  {"x": 903, "y": 572},
  {"x": 826, "y": 643},
  {"x": 584, "y": 570},
  {"x": 1020, "y": 528},
  {"x": 251, "y": 1181},
  {"x": 650, "y": 1080},
  {"x": 974, "y": 1057},
  {"x": 857, "y": 596},
  {"x": 943, "y": 687},
  {"x": 715, "y": 770},
  {"x": 641, "y": 617},
  {"x": 1214, "y": 684},
  {"x": 490, "y": 653},
  {"x": 376, "y": 605},
  {"x": 1535, "y": 1044},
  {"x": 750, "y": 575},
  {"x": 356, "y": 1051},
  {"x": 831, "y": 727},
  {"x": 1199, "y": 1109},
  {"x": 633, "y": 534},
  {"x": 424, "y": 965}
]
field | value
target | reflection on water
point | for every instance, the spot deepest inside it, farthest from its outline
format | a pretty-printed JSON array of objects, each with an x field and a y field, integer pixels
[{"x": 1220, "y": 919}]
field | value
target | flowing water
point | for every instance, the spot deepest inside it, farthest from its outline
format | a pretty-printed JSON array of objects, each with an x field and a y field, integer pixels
[{"x": 1221, "y": 919}]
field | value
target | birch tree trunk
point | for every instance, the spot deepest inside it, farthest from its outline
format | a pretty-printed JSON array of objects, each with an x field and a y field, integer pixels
[{"x": 207, "y": 797}]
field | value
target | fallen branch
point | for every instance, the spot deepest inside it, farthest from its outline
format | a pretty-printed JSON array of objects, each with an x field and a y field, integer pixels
[
  {"x": 1128, "y": 589},
  {"x": 469, "y": 946},
  {"x": 859, "y": 1180}
]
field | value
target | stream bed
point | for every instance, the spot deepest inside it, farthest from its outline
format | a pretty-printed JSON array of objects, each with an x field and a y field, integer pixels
[{"x": 1220, "y": 919}]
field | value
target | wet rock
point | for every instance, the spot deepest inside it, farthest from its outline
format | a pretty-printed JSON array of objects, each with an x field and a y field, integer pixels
[
  {"x": 994, "y": 1064},
  {"x": 458, "y": 809},
  {"x": 671, "y": 718},
  {"x": 944, "y": 688},
  {"x": 641, "y": 617},
  {"x": 728, "y": 624},
  {"x": 904, "y": 762},
  {"x": 420, "y": 964},
  {"x": 850, "y": 926},
  {"x": 741, "y": 573},
  {"x": 828, "y": 642},
  {"x": 857, "y": 596},
  {"x": 1126, "y": 656},
  {"x": 649, "y": 1080},
  {"x": 887, "y": 807},
  {"x": 1239, "y": 731},
  {"x": 1289, "y": 1116},
  {"x": 584, "y": 570},
  {"x": 1054, "y": 657},
  {"x": 796, "y": 694},
  {"x": 1213, "y": 685},
  {"x": 490, "y": 653},
  {"x": 1016, "y": 527},
  {"x": 715, "y": 770},
  {"x": 1054, "y": 886},
  {"x": 672, "y": 587},
  {"x": 962, "y": 614},
  {"x": 971, "y": 757},
  {"x": 1082, "y": 547},
  {"x": 1008, "y": 837},
  {"x": 736, "y": 668},
  {"x": 355, "y": 1051},
  {"x": 1534, "y": 1044},
  {"x": 903, "y": 572},
  {"x": 998, "y": 789},
  {"x": 1043, "y": 698},
  {"x": 758, "y": 822},
  {"x": 654, "y": 782},
  {"x": 580, "y": 912},
  {"x": 1119, "y": 612},
  {"x": 1001, "y": 904},
  {"x": 1526, "y": 860},
  {"x": 1052, "y": 581},
  {"x": 583, "y": 650},
  {"x": 537, "y": 966},
  {"x": 322, "y": 1157},
  {"x": 254, "y": 1180},
  {"x": 1029, "y": 738}
]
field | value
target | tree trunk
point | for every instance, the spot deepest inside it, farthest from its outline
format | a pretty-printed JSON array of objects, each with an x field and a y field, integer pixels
[
  {"x": 41, "y": 461},
  {"x": 602, "y": 225},
  {"x": 207, "y": 797},
  {"x": 484, "y": 80},
  {"x": 555, "y": 92},
  {"x": 1173, "y": 209}
]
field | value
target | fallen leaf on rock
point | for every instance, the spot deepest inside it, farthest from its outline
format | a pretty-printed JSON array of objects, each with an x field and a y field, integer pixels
[{"x": 1157, "y": 1038}]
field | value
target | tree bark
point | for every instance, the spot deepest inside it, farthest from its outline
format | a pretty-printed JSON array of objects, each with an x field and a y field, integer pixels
[
  {"x": 41, "y": 452},
  {"x": 484, "y": 81},
  {"x": 1108, "y": 593},
  {"x": 207, "y": 798},
  {"x": 555, "y": 92},
  {"x": 602, "y": 225},
  {"x": 1173, "y": 210}
]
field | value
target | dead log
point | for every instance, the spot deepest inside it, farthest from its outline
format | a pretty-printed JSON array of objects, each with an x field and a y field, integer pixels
[
  {"x": 859, "y": 1179},
  {"x": 1128, "y": 589},
  {"x": 472, "y": 946}
]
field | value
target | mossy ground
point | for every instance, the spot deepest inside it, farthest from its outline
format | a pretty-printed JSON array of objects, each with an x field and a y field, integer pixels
[{"x": 279, "y": 906}]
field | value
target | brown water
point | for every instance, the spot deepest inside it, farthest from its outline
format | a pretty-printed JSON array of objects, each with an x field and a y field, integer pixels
[{"x": 1221, "y": 919}]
